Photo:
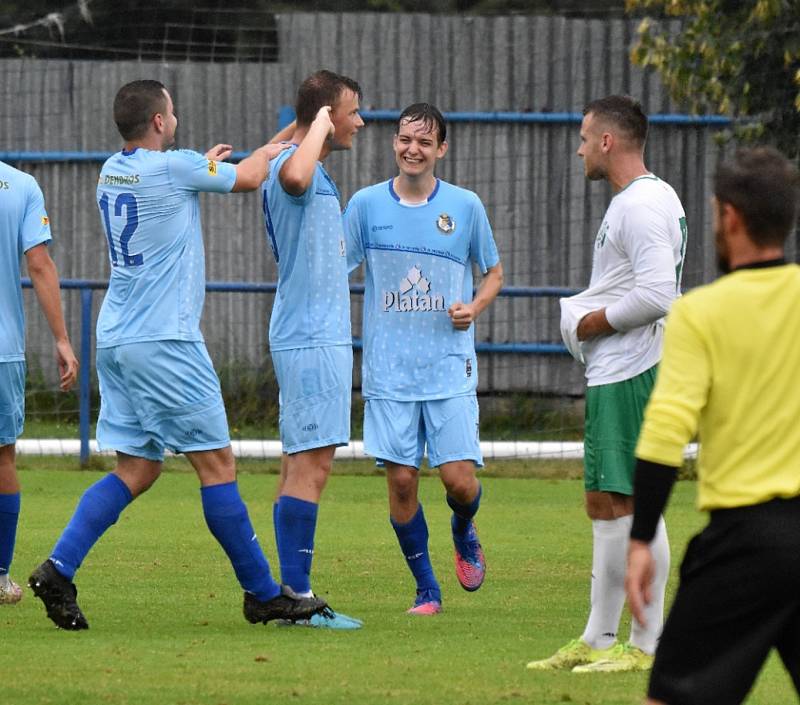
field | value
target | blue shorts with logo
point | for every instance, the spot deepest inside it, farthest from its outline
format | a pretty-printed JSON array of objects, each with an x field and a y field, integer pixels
[
  {"x": 398, "y": 431},
  {"x": 159, "y": 395},
  {"x": 316, "y": 386},
  {"x": 12, "y": 401}
]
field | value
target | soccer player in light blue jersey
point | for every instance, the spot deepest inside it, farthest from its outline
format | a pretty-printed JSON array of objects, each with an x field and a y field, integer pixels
[
  {"x": 157, "y": 385},
  {"x": 420, "y": 238},
  {"x": 24, "y": 229},
  {"x": 309, "y": 331}
]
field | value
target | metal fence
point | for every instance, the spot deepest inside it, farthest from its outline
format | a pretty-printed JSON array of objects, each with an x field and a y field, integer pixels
[{"x": 543, "y": 210}]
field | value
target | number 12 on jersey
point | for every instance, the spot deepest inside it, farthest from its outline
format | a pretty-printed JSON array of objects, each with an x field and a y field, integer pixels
[{"x": 125, "y": 201}]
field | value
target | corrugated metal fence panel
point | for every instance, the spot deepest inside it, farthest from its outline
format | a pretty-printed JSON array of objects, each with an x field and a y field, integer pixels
[{"x": 543, "y": 210}]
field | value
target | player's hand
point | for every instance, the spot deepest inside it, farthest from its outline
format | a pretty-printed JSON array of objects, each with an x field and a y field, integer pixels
[
  {"x": 462, "y": 315},
  {"x": 67, "y": 365},
  {"x": 639, "y": 578},
  {"x": 323, "y": 117},
  {"x": 219, "y": 152},
  {"x": 273, "y": 150}
]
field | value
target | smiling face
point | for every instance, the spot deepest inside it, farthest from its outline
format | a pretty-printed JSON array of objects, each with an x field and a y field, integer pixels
[
  {"x": 417, "y": 148},
  {"x": 346, "y": 120}
]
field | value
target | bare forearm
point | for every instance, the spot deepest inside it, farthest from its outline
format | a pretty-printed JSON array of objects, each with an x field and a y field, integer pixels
[
  {"x": 489, "y": 289},
  {"x": 594, "y": 324},
  {"x": 45, "y": 282}
]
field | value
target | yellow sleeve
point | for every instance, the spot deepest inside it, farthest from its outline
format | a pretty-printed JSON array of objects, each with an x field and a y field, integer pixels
[{"x": 680, "y": 392}]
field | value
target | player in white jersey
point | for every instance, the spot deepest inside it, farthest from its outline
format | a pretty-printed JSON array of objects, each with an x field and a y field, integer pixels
[
  {"x": 615, "y": 327},
  {"x": 309, "y": 331},
  {"x": 157, "y": 385},
  {"x": 24, "y": 229},
  {"x": 420, "y": 238}
]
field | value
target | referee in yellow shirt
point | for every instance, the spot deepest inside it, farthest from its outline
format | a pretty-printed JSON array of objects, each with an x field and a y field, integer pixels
[{"x": 730, "y": 373}]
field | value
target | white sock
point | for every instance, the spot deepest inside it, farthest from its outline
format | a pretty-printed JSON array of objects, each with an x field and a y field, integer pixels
[
  {"x": 646, "y": 638},
  {"x": 4, "y": 580},
  {"x": 609, "y": 556}
]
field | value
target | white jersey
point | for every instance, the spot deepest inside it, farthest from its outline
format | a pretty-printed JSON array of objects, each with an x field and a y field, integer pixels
[{"x": 638, "y": 262}]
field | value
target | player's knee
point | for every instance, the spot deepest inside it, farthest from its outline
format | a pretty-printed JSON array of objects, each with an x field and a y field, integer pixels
[{"x": 403, "y": 487}]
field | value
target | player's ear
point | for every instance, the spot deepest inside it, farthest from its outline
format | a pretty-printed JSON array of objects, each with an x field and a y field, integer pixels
[{"x": 441, "y": 150}]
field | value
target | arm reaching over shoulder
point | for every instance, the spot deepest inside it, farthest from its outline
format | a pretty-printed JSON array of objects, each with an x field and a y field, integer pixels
[
  {"x": 252, "y": 170},
  {"x": 298, "y": 170},
  {"x": 463, "y": 315},
  {"x": 43, "y": 273}
]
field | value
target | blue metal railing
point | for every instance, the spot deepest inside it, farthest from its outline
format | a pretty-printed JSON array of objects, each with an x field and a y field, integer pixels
[
  {"x": 87, "y": 287},
  {"x": 286, "y": 115}
]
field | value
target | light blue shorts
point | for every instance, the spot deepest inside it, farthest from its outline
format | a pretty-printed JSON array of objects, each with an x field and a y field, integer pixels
[
  {"x": 398, "y": 431},
  {"x": 12, "y": 401},
  {"x": 316, "y": 386},
  {"x": 158, "y": 395}
]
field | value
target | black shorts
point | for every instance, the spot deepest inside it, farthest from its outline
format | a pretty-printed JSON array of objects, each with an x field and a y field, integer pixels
[{"x": 739, "y": 596}]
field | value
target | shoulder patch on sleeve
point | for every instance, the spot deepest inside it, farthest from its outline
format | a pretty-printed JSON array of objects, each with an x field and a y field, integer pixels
[{"x": 212, "y": 167}]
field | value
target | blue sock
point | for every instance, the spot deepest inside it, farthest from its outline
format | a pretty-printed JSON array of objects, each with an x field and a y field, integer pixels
[
  {"x": 413, "y": 538},
  {"x": 463, "y": 513},
  {"x": 98, "y": 509},
  {"x": 295, "y": 525},
  {"x": 227, "y": 519},
  {"x": 9, "y": 516},
  {"x": 275, "y": 522}
]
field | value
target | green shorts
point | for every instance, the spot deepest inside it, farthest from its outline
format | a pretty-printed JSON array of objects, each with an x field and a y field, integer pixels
[{"x": 614, "y": 415}]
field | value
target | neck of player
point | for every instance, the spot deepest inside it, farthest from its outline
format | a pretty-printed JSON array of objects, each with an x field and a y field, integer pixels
[
  {"x": 623, "y": 171},
  {"x": 414, "y": 189}
]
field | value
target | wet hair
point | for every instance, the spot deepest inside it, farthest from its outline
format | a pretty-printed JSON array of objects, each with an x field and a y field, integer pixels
[
  {"x": 134, "y": 107},
  {"x": 321, "y": 88},
  {"x": 429, "y": 115},
  {"x": 623, "y": 112},
  {"x": 764, "y": 187}
]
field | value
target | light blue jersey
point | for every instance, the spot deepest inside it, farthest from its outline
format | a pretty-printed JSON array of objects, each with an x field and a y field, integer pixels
[
  {"x": 150, "y": 210},
  {"x": 23, "y": 225},
  {"x": 312, "y": 306},
  {"x": 419, "y": 263}
]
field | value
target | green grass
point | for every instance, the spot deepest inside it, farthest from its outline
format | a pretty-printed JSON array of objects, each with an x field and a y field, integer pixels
[{"x": 165, "y": 611}]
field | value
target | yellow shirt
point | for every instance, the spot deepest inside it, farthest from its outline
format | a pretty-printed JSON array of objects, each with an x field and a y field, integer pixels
[{"x": 730, "y": 372}]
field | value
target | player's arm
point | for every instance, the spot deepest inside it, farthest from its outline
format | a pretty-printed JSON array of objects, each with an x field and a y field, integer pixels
[
  {"x": 43, "y": 274},
  {"x": 463, "y": 315},
  {"x": 648, "y": 246},
  {"x": 253, "y": 169},
  {"x": 298, "y": 170}
]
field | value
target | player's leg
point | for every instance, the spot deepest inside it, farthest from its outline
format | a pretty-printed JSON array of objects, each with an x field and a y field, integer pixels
[
  {"x": 451, "y": 429},
  {"x": 12, "y": 415},
  {"x": 614, "y": 417},
  {"x": 394, "y": 435},
  {"x": 10, "y": 592},
  {"x": 139, "y": 459},
  {"x": 315, "y": 390},
  {"x": 738, "y": 594},
  {"x": 229, "y": 522}
]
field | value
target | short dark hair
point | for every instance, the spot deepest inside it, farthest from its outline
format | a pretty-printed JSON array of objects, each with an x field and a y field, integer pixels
[
  {"x": 321, "y": 88},
  {"x": 764, "y": 187},
  {"x": 624, "y": 112},
  {"x": 428, "y": 114},
  {"x": 135, "y": 104}
]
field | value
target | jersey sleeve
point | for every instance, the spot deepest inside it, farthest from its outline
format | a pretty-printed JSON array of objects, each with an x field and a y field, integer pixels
[
  {"x": 645, "y": 239},
  {"x": 35, "y": 227},
  {"x": 680, "y": 393},
  {"x": 483, "y": 250},
  {"x": 191, "y": 171},
  {"x": 353, "y": 233}
]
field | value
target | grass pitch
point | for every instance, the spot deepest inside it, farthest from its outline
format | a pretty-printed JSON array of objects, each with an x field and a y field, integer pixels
[{"x": 166, "y": 622}]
